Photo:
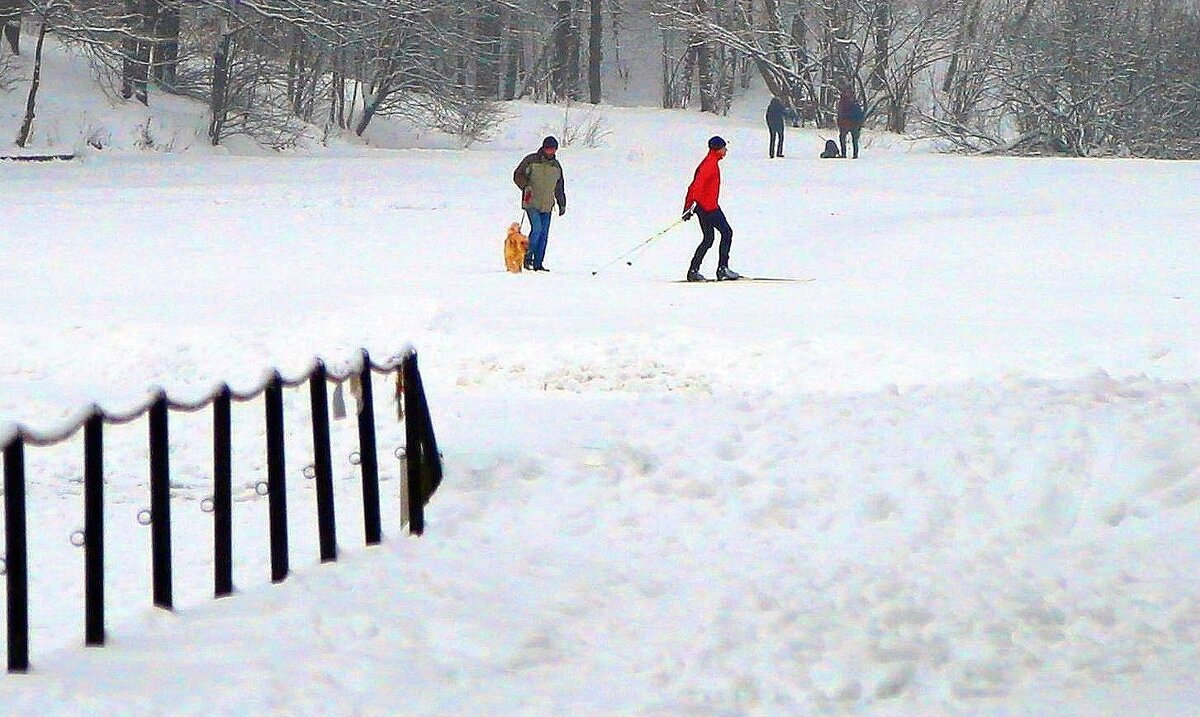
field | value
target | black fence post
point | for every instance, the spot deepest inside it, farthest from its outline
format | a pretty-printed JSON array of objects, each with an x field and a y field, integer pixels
[
  {"x": 276, "y": 480},
  {"x": 422, "y": 460},
  {"x": 93, "y": 529},
  {"x": 16, "y": 555},
  {"x": 222, "y": 494},
  {"x": 412, "y": 449},
  {"x": 160, "y": 503},
  {"x": 372, "y": 521},
  {"x": 323, "y": 463}
]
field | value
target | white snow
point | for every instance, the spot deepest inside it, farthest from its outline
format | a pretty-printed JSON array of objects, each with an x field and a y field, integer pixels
[{"x": 956, "y": 474}]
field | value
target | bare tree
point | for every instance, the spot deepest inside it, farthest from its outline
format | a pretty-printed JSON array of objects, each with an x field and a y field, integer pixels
[
  {"x": 1076, "y": 78},
  {"x": 26, "y": 130},
  {"x": 489, "y": 43},
  {"x": 595, "y": 50}
]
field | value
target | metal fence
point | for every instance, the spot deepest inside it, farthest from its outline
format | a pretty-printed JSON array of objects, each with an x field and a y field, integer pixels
[{"x": 421, "y": 462}]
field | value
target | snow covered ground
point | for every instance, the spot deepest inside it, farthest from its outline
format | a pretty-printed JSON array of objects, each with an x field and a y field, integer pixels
[{"x": 956, "y": 474}]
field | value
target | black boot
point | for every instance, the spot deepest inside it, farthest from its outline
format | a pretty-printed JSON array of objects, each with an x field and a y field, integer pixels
[
  {"x": 724, "y": 273},
  {"x": 695, "y": 275}
]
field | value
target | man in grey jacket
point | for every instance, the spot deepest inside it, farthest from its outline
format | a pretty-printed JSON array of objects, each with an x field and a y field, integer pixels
[{"x": 540, "y": 179}]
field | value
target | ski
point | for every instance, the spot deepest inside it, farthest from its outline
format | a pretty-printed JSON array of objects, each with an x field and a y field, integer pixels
[{"x": 747, "y": 278}]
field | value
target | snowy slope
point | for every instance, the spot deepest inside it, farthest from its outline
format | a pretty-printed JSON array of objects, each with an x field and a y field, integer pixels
[{"x": 957, "y": 474}]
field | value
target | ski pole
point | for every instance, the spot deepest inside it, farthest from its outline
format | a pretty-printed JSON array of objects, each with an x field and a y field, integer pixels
[{"x": 674, "y": 224}]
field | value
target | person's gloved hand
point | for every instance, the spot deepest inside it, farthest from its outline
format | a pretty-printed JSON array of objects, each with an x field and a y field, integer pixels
[
  {"x": 687, "y": 213},
  {"x": 561, "y": 210}
]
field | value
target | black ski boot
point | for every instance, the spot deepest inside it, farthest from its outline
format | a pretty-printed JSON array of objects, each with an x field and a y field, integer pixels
[
  {"x": 694, "y": 275},
  {"x": 724, "y": 273}
]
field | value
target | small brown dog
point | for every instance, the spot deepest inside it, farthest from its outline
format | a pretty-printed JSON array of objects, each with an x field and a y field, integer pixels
[{"x": 515, "y": 246}]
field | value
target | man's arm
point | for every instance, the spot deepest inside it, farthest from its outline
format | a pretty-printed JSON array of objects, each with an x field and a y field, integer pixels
[
  {"x": 560, "y": 192},
  {"x": 521, "y": 173}
]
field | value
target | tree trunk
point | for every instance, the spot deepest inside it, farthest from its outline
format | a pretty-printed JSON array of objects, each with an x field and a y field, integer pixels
[
  {"x": 832, "y": 64},
  {"x": 219, "y": 103},
  {"x": 135, "y": 49},
  {"x": 966, "y": 34},
  {"x": 595, "y": 51},
  {"x": 295, "y": 70},
  {"x": 562, "y": 48},
  {"x": 371, "y": 105},
  {"x": 10, "y": 24},
  {"x": 31, "y": 101},
  {"x": 704, "y": 64},
  {"x": 804, "y": 97},
  {"x": 516, "y": 61},
  {"x": 166, "y": 44},
  {"x": 337, "y": 101},
  {"x": 883, "y": 35},
  {"x": 487, "y": 61},
  {"x": 574, "y": 45}
]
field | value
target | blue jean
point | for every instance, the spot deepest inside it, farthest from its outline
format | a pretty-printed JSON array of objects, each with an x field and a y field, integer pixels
[{"x": 539, "y": 236}]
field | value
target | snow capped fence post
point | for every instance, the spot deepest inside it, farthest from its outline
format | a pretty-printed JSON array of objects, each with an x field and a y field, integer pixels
[
  {"x": 423, "y": 461},
  {"x": 160, "y": 502},
  {"x": 93, "y": 528},
  {"x": 16, "y": 556},
  {"x": 222, "y": 494},
  {"x": 276, "y": 479},
  {"x": 323, "y": 462},
  {"x": 369, "y": 459}
]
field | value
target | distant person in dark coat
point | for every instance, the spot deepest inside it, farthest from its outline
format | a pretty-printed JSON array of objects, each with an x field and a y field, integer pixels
[
  {"x": 850, "y": 118},
  {"x": 776, "y": 112}
]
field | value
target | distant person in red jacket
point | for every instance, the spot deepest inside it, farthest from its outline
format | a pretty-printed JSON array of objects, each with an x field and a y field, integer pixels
[
  {"x": 850, "y": 118},
  {"x": 702, "y": 199}
]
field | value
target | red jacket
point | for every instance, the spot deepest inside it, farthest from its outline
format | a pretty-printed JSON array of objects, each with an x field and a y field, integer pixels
[{"x": 705, "y": 189}]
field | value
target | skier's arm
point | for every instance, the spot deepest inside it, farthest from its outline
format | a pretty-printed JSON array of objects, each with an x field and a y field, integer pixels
[
  {"x": 521, "y": 173},
  {"x": 699, "y": 181},
  {"x": 690, "y": 198},
  {"x": 560, "y": 193}
]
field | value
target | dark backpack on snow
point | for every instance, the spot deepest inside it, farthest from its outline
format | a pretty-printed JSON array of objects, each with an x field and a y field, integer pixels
[{"x": 831, "y": 150}]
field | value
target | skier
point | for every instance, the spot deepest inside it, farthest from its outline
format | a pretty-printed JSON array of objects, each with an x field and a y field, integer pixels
[
  {"x": 775, "y": 117},
  {"x": 702, "y": 199},
  {"x": 540, "y": 179},
  {"x": 850, "y": 118}
]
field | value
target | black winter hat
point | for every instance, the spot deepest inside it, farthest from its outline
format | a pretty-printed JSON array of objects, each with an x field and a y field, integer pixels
[
  {"x": 716, "y": 143},
  {"x": 550, "y": 142}
]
